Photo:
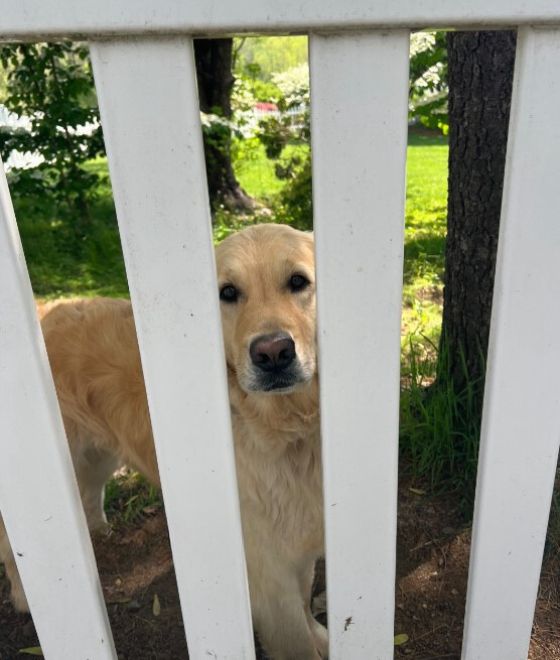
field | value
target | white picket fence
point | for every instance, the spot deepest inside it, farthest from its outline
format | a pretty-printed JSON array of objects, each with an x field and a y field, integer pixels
[{"x": 359, "y": 59}]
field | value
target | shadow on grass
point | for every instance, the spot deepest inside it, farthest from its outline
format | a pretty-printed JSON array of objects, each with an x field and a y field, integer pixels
[
  {"x": 423, "y": 137},
  {"x": 67, "y": 259},
  {"x": 424, "y": 258}
]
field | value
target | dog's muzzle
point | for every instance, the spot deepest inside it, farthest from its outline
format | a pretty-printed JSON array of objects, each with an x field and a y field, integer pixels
[{"x": 275, "y": 364}]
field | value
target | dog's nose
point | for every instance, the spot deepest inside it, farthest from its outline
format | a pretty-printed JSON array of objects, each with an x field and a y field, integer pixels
[{"x": 272, "y": 352}]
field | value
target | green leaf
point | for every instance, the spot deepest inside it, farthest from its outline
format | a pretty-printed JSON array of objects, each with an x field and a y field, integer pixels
[
  {"x": 156, "y": 607},
  {"x": 32, "y": 650},
  {"x": 401, "y": 639}
]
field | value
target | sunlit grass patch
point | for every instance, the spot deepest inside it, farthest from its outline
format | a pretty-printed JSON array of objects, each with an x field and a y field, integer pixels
[{"x": 130, "y": 497}]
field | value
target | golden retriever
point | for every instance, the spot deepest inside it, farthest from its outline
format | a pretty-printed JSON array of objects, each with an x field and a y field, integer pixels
[{"x": 267, "y": 292}]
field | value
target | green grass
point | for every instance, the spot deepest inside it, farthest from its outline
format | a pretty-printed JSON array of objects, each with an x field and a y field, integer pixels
[
  {"x": 129, "y": 497},
  {"x": 439, "y": 430},
  {"x": 426, "y": 209},
  {"x": 256, "y": 172},
  {"x": 63, "y": 261}
]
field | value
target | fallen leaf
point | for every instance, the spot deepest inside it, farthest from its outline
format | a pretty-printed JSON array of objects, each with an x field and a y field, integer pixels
[
  {"x": 156, "y": 607},
  {"x": 32, "y": 650},
  {"x": 401, "y": 639},
  {"x": 417, "y": 491}
]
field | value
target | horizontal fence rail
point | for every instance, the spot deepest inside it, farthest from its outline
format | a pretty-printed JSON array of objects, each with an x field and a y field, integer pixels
[
  {"x": 39, "y": 498},
  {"x": 521, "y": 425},
  {"x": 37, "y": 19},
  {"x": 159, "y": 182},
  {"x": 358, "y": 183}
]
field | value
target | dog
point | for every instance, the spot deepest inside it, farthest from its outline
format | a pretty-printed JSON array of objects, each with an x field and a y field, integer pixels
[{"x": 267, "y": 296}]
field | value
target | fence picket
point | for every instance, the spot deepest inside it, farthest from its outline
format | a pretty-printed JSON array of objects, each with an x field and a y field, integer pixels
[
  {"x": 359, "y": 87},
  {"x": 39, "y": 497},
  {"x": 159, "y": 184},
  {"x": 521, "y": 421}
]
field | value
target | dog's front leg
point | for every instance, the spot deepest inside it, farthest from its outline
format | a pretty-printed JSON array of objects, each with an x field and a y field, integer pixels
[
  {"x": 279, "y": 609},
  {"x": 319, "y": 632}
]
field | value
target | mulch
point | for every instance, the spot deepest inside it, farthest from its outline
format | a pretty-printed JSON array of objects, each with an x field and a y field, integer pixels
[{"x": 138, "y": 580}]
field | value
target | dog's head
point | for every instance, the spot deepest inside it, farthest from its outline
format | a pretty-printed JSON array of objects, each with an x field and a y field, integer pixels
[{"x": 266, "y": 279}]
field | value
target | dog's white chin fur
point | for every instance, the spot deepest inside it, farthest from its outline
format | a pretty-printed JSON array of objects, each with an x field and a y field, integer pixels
[{"x": 298, "y": 386}]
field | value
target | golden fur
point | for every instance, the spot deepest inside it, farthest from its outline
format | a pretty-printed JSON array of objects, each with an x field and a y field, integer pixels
[{"x": 94, "y": 357}]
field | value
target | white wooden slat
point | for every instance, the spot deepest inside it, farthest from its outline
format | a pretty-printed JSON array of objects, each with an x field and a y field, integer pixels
[
  {"x": 359, "y": 87},
  {"x": 41, "y": 18},
  {"x": 149, "y": 109},
  {"x": 521, "y": 420},
  {"x": 39, "y": 497}
]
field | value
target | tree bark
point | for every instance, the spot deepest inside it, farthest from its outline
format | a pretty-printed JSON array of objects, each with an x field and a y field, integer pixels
[
  {"x": 215, "y": 81},
  {"x": 480, "y": 83}
]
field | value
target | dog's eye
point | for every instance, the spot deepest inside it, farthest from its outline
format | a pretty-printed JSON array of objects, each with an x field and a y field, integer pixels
[
  {"x": 298, "y": 282},
  {"x": 229, "y": 293}
]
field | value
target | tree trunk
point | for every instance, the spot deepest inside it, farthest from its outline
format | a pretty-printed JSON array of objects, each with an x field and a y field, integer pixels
[
  {"x": 215, "y": 81},
  {"x": 480, "y": 82}
]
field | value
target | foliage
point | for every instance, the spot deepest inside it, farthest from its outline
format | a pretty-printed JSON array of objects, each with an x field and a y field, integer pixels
[
  {"x": 428, "y": 105},
  {"x": 249, "y": 88},
  {"x": 258, "y": 174},
  {"x": 285, "y": 138},
  {"x": 52, "y": 86},
  {"x": 269, "y": 55},
  {"x": 3, "y": 83},
  {"x": 61, "y": 263},
  {"x": 129, "y": 497},
  {"x": 428, "y": 80},
  {"x": 439, "y": 433},
  {"x": 279, "y": 130},
  {"x": 295, "y": 200}
]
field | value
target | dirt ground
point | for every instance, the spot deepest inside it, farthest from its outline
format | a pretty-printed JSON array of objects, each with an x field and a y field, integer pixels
[{"x": 433, "y": 551}]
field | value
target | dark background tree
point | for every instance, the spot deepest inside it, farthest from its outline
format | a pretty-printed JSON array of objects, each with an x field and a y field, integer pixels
[
  {"x": 215, "y": 81},
  {"x": 480, "y": 74}
]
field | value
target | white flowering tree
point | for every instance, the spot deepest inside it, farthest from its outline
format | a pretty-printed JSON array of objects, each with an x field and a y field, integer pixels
[{"x": 428, "y": 80}]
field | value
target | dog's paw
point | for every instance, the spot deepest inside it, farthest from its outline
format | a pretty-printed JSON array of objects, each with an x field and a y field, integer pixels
[
  {"x": 100, "y": 529},
  {"x": 321, "y": 639}
]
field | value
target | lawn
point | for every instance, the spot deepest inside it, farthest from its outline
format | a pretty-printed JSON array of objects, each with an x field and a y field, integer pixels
[
  {"x": 256, "y": 172},
  {"x": 63, "y": 262},
  {"x": 426, "y": 211}
]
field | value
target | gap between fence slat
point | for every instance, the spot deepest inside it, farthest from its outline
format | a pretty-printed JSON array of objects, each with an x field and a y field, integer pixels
[
  {"x": 39, "y": 498},
  {"x": 359, "y": 87},
  {"x": 521, "y": 419},
  {"x": 151, "y": 122}
]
